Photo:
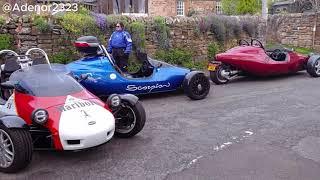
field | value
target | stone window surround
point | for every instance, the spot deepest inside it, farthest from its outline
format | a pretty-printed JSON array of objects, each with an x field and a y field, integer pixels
[
  {"x": 219, "y": 7},
  {"x": 180, "y": 8},
  {"x": 129, "y": 6}
]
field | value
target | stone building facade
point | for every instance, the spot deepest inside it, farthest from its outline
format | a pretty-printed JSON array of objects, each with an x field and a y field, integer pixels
[{"x": 158, "y": 7}]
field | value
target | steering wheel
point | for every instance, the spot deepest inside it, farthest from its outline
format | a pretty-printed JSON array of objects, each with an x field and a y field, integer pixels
[
  {"x": 275, "y": 54},
  {"x": 257, "y": 43},
  {"x": 243, "y": 42}
]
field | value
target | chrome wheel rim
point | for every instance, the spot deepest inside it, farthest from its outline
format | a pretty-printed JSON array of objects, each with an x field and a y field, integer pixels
[
  {"x": 317, "y": 67},
  {"x": 125, "y": 114},
  {"x": 6, "y": 150},
  {"x": 221, "y": 75}
]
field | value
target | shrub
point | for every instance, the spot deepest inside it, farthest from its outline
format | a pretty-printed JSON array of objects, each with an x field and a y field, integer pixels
[
  {"x": 101, "y": 21},
  {"x": 64, "y": 57},
  {"x": 138, "y": 32},
  {"x": 180, "y": 57},
  {"x": 249, "y": 27},
  {"x": 2, "y": 20},
  {"x": 162, "y": 32},
  {"x": 79, "y": 24},
  {"x": 233, "y": 27},
  {"x": 219, "y": 29},
  {"x": 113, "y": 19},
  {"x": 223, "y": 27},
  {"x": 177, "y": 56},
  {"x": 227, "y": 27},
  {"x": 41, "y": 23},
  {"x": 237, "y": 28},
  {"x": 133, "y": 66},
  {"x": 204, "y": 25},
  {"x": 6, "y": 41},
  {"x": 213, "y": 49},
  {"x": 200, "y": 65}
]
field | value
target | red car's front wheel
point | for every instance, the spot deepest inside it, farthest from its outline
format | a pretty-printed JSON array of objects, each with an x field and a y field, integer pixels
[{"x": 219, "y": 75}]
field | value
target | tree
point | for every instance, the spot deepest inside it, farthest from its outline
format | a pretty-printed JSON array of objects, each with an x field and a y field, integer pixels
[
  {"x": 229, "y": 7},
  {"x": 313, "y": 5},
  {"x": 249, "y": 6},
  {"x": 238, "y": 7}
]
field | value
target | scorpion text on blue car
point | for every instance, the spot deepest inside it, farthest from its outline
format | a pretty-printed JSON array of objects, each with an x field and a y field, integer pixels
[{"x": 150, "y": 88}]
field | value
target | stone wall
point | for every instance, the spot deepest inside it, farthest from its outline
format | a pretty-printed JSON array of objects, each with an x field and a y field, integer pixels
[
  {"x": 295, "y": 29},
  {"x": 26, "y": 36},
  {"x": 183, "y": 34}
]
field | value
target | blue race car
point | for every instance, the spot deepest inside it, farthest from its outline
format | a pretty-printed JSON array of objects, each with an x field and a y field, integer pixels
[{"x": 153, "y": 76}]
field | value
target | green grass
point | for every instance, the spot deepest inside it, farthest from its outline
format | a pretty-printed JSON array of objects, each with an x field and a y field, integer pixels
[{"x": 301, "y": 50}]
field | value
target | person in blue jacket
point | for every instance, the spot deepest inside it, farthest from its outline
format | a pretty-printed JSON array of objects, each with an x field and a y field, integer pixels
[{"x": 120, "y": 45}]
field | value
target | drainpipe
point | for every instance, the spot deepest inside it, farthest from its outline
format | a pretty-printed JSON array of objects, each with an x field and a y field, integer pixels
[
  {"x": 264, "y": 9},
  {"x": 264, "y": 13},
  {"x": 314, "y": 29}
]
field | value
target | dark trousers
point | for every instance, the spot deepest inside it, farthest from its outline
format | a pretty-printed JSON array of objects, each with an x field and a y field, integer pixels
[{"x": 121, "y": 58}]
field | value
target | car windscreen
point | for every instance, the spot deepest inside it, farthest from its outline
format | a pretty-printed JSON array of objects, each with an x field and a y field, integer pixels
[{"x": 43, "y": 81}]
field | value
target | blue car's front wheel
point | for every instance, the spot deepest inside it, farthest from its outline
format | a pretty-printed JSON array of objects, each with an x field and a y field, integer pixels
[{"x": 196, "y": 85}]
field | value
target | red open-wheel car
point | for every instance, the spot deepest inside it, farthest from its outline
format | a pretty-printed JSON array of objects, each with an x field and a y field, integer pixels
[{"x": 254, "y": 59}]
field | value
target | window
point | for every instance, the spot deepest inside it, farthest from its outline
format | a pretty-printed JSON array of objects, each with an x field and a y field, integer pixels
[
  {"x": 180, "y": 8},
  {"x": 88, "y": 6},
  {"x": 218, "y": 7},
  {"x": 128, "y": 6},
  {"x": 142, "y": 6},
  {"x": 116, "y": 6}
]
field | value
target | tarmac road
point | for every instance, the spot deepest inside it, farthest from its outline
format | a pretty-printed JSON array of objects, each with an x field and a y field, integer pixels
[{"x": 259, "y": 129}]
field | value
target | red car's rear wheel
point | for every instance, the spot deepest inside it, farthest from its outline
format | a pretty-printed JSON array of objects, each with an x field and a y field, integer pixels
[{"x": 313, "y": 66}]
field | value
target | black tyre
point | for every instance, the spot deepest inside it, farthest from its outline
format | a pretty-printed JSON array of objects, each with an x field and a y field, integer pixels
[
  {"x": 217, "y": 77},
  {"x": 5, "y": 93},
  {"x": 313, "y": 66},
  {"x": 15, "y": 149},
  {"x": 197, "y": 87},
  {"x": 130, "y": 119}
]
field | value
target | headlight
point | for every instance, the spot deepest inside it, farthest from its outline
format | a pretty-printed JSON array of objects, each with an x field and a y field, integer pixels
[
  {"x": 40, "y": 116},
  {"x": 114, "y": 100}
]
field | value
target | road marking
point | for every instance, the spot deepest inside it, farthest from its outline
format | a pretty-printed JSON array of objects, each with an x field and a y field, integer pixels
[
  {"x": 194, "y": 160},
  {"x": 235, "y": 139},
  {"x": 249, "y": 133}
]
